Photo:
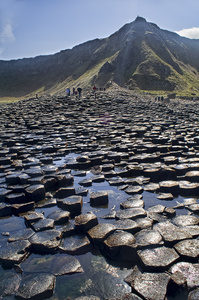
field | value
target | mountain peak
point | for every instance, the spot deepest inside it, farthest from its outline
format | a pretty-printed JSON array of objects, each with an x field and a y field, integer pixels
[{"x": 140, "y": 19}]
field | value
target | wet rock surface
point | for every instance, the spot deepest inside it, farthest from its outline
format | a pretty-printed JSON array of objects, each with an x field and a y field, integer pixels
[{"x": 114, "y": 178}]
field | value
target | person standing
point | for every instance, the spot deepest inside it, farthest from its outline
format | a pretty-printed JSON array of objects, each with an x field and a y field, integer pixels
[
  {"x": 68, "y": 92},
  {"x": 79, "y": 91},
  {"x": 94, "y": 91}
]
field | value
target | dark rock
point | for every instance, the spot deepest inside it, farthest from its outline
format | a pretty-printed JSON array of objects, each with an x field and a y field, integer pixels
[
  {"x": 132, "y": 203},
  {"x": 99, "y": 199},
  {"x": 22, "y": 234},
  {"x": 188, "y": 188},
  {"x": 194, "y": 295},
  {"x": 35, "y": 192},
  {"x": 66, "y": 265},
  {"x": 43, "y": 224},
  {"x": 151, "y": 286},
  {"x": 189, "y": 271},
  {"x": 127, "y": 225},
  {"x": 86, "y": 182},
  {"x": 59, "y": 217},
  {"x": 158, "y": 258},
  {"x": 77, "y": 244},
  {"x": 72, "y": 204},
  {"x": 165, "y": 196},
  {"x": 64, "y": 192},
  {"x": 13, "y": 253},
  {"x": 132, "y": 190},
  {"x": 148, "y": 238},
  {"x": 5, "y": 210},
  {"x": 9, "y": 283},
  {"x": 22, "y": 208},
  {"x": 188, "y": 248},
  {"x": 144, "y": 223},
  {"x": 172, "y": 233},
  {"x": 33, "y": 217},
  {"x": 46, "y": 241},
  {"x": 121, "y": 245},
  {"x": 85, "y": 222},
  {"x": 169, "y": 186},
  {"x": 131, "y": 213},
  {"x": 16, "y": 198},
  {"x": 36, "y": 286},
  {"x": 185, "y": 220},
  {"x": 100, "y": 232},
  {"x": 3, "y": 193}
]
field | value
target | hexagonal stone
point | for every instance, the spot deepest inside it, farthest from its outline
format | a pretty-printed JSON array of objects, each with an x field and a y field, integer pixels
[
  {"x": 99, "y": 199},
  {"x": 151, "y": 286},
  {"x": 85, "y": 222},
  {"x": 158, "y": 258},
  {"x": 132, "y": 203},
  {"x": 165, "y": 196},
  {"x": 151, "y": 187},
  {"x": 121, "y": 245},
  {"x": 59, "y": 217},
  {"x": 188, "y": 188},
  {"x": 170, "y": 212},
  {"x": 127, "y": 225},
  {"x": 68, "y": 229},
  {"x": 100, "y": 232},
  {"x": 22, "y": 208},
  {"x": 36, "y": 286},
  {"x": 33, "y": 217},
  {"x": 16, "y": 198},
  {"x": 66, "y": 265},
  {"x": 77, "y": 244},
  {"x": 13, "y": 253},
  {"x": 144, "y": 223},
  {"x": 9, "y": 283},
  {"x": 85, "y": 182},
  {"x": 185, "y": 220},
  {"x": 194, "y": 208},
  {"x": 194, "y": 295},
  {"x": 169, "y": 186},
  {"x": 131, "y": 213},
  {"x": 5, "y": 210},
  {"x": 172, "y": 233},
  {"x": 3, "y": 193},
  {"x": 22, "y": 234},
  {"x": 148, "y": 238},
  {"x": 132, "y": 190},
  {"x": 72, "y": 204},
  {"x": 65, "y": 192},
  {"x": 189, "y": 271},
  {"x": 46, "y": 241},
  {"x": 44, "y": 224},
  {"x": 192, "y": 176},
  {"x": 35, "y": 192},
  {"x": 157, "y": 208},
  {"x": 188, "y": 248}
]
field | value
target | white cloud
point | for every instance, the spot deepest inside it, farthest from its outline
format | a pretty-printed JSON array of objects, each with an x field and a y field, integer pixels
[
  {"x": 6, "y": 34},
  {"x": 192, "y": 33}
]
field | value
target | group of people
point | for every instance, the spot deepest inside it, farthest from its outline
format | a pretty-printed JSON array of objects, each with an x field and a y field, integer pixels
[
  {"x": 75, "y": 92},
  {"x": 79, "y": 91}
]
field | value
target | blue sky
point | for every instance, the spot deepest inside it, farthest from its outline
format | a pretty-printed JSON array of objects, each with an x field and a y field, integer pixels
[{"x": 37, "y": 27}]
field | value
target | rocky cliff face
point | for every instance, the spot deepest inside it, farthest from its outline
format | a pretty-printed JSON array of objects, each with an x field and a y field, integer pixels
[{"x": 140, "y": 56}]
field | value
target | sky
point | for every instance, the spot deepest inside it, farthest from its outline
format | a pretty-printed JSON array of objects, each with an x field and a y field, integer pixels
[{"x": 29, "y": 28}]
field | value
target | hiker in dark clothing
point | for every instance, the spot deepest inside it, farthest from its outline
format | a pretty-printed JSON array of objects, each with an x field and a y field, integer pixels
[{"x": 79, "y": 91}]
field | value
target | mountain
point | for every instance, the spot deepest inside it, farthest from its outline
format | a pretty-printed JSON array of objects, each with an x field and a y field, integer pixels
[{"x": 140, "y": 56}]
